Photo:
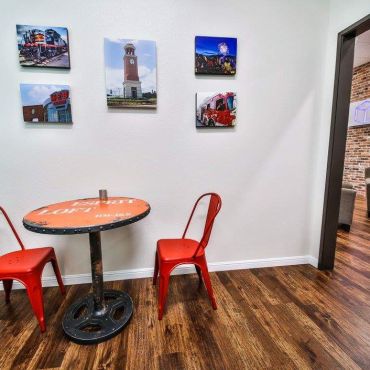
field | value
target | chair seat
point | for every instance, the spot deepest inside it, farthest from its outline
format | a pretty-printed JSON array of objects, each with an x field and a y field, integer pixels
[
  {"x": 178, "y": 249},
  {"x": 23, "y": 261}
]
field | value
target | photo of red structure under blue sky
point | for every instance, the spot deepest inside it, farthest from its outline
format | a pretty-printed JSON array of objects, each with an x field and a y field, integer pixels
[
  {"x": 130, "y": 73},
  {"x": 46, "y": 103}
]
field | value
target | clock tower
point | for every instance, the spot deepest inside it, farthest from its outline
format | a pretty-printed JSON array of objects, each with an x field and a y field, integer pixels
[{"x": 131, "y": 82}]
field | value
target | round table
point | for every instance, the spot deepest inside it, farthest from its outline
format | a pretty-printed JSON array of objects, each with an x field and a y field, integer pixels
[{"x": 103, "y": 313}]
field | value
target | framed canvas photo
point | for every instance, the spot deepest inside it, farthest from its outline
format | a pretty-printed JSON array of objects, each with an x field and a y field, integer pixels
[
  {"x": 359, "y": 113},
  {"x": 46, "y": 103},
  {"x": 43, "y": 46},
  {"x": 215, "y": 109},
  {"x": 130, "y": 73},
  {"x": 215, "y": 55}
]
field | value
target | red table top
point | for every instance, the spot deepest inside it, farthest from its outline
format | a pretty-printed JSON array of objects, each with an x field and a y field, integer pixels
[{"x": 86, "y": 215}]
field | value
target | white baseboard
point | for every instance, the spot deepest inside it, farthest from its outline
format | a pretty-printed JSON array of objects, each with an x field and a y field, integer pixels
[
  {"x": 313, "y": 261},
  {"x": 48, "y": 281}
]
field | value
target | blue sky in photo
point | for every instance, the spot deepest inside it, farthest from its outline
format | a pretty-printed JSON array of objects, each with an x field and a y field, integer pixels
[
  {"x": 146, "y": 57},
  {"x": 113, "y": 52},
  {"x": 36, "y": 94},
  {"x": 22, "y": 28},
  {"x": 209, "y": 45}
]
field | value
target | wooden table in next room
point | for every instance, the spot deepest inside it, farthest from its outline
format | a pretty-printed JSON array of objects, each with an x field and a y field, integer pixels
[{"x": 103, "y": 313}]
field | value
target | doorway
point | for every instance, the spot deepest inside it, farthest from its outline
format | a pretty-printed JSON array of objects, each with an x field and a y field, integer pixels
[{"x": 338, "y": 137}]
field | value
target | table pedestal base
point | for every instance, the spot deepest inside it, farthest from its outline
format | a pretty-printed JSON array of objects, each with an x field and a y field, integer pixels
[{"x": 84, "y": 325}]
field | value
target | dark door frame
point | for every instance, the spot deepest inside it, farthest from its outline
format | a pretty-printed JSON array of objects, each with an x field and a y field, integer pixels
[{"x": 338, "y": 137}]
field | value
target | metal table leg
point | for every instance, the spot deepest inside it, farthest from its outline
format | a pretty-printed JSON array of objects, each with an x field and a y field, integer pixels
[{"x": 101, "y": 314}]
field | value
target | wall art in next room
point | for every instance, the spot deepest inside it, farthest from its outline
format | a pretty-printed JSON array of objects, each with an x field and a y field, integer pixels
[
  {"x": 130, "y": 73},
  {"x": 215, "y": 55},
  {"x": 43, "y": 46},
  {"x": 359, "y": 113},
  {"x": 215, "y": 109},
  {"x": 46, "y": 103}
]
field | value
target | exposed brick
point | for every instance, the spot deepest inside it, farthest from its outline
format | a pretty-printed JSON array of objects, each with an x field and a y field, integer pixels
[
  {"x": 358, "y": 138},
  {"x": 361, "y": 82}
]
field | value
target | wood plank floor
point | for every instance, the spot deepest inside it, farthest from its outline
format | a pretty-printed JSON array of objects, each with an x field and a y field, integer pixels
[{"x": 272, "y": 318}]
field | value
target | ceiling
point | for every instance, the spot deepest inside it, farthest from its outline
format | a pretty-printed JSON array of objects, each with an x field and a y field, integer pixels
[{"x": 362, "y": 49}]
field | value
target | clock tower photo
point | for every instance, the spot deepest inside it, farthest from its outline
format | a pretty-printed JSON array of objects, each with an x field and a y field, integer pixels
[{"x": 131, "y": 82}]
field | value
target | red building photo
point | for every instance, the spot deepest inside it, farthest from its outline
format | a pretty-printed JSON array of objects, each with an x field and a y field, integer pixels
[{"x": 46, "y": 103}]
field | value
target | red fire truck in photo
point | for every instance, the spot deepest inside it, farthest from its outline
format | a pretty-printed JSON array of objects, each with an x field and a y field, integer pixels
[{"x": 218, "y": 110}]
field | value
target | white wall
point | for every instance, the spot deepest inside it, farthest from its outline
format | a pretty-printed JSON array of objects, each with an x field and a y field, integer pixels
[
  {"x": 342, "y": 14},
  {"x": 263, "y": 168}
]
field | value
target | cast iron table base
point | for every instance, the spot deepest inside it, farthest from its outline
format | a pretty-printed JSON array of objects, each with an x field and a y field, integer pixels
[
  {"x": 82, "y": 325},
  {"x": 101, "y": 314}
]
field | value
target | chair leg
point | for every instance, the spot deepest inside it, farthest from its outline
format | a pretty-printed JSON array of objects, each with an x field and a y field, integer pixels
[
  {"x": 156, "y": 268},
  {"x": 346, "y": 227},
  {"x": 58, "y": 275},
  {"x": 207, "y": 282},
  {"x": 34, "y": 291},
  {"x": 163, "y": 289},
  {"x": 199, "y": 272},
  {"x": 7, "y": 288}
]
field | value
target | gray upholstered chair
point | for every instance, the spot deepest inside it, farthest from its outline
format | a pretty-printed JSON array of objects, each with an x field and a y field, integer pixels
[
  {"x": 367, "y": 181},
  {"x": 347, "y": 206}
]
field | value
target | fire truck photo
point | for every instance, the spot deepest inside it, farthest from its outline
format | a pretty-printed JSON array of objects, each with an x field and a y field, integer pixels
[{"x": 218, "y": 110}]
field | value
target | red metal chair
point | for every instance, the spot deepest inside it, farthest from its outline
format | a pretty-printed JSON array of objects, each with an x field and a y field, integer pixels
[
  {"x": 174, "y": 252},
  {"x": 26, "y": 266}
]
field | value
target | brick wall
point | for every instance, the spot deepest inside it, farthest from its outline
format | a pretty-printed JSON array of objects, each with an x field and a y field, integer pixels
[
  {"x": 361, "y": 83},
  {"x": 31, "y": 112},
  {"x": 358, "y": 138}
]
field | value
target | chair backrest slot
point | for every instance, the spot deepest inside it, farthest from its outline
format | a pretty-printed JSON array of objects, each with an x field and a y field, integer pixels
[
  {"x": 214, "y": 207},
  {"x": 12, "y": 227}
]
